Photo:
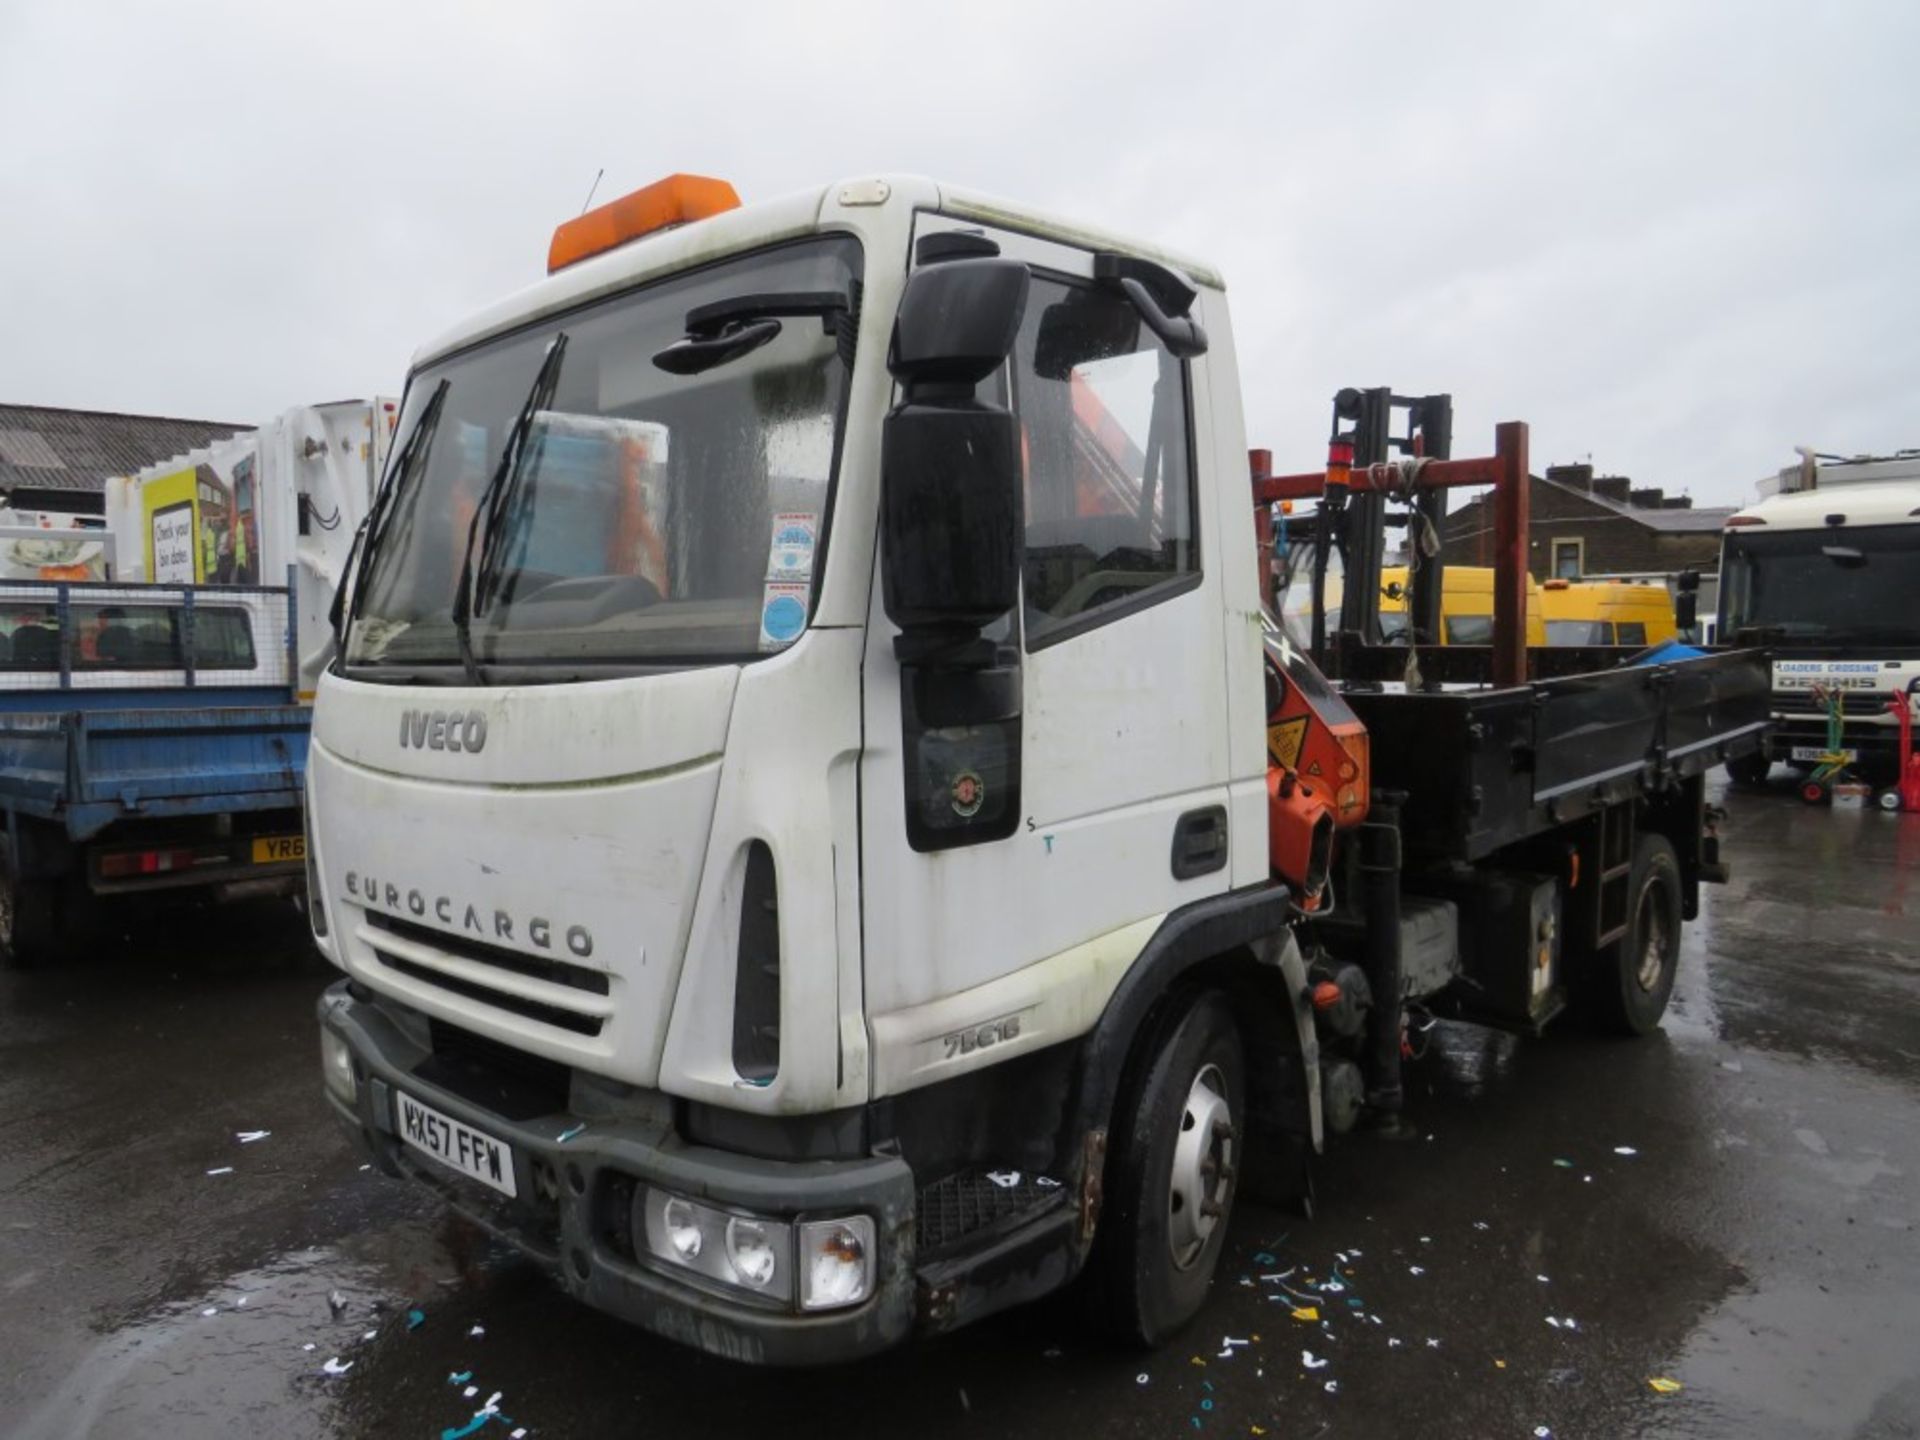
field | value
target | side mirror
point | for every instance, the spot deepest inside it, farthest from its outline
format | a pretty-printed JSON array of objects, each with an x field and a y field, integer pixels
[
  {"x": 1686, "y": 611},
  {"x": 1686, "y": 601},
  {"x": 952, "y": 531}
]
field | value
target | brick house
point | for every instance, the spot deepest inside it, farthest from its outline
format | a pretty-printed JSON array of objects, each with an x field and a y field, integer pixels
[{"x": 1587, "y": 524}]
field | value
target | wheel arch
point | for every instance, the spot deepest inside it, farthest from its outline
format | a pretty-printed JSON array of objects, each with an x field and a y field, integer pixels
[{"x": 1239, "y": 943}]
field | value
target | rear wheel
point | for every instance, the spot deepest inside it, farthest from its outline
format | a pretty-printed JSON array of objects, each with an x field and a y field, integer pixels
[
  {"x": 1750, "y": 769},
  {"x": 29, "y": 919},
  {"x": 1633, "y": 977},
  {"x": 1172, "y": 1177}
]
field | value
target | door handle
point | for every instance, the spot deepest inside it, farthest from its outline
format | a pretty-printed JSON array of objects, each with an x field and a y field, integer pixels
[{"x": 1200, "y": 842}]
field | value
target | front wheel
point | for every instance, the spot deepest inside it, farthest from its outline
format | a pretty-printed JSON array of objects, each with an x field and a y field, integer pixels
[
  {"x": 1633, "y": 977},
  {"x": 1172, "y": 1176}
]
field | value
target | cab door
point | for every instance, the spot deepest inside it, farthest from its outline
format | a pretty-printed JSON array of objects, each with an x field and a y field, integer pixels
[{"x": 1123, "y": 762}]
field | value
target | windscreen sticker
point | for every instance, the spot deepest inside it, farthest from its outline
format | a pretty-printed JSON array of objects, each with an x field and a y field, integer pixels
[
  {"x": 790, "y": 556},
  {"x": 783, "y": 614}
]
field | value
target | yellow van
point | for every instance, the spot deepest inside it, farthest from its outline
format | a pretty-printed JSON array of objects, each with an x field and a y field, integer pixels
[
  {"x": 1607, "y": 612},
  {"x": 1466, "y": 606}
]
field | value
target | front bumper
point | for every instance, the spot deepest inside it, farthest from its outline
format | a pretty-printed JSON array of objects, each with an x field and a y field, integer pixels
[
  {"x": 1876, "y": 743},
  {"x": 575, "y": 1197}
]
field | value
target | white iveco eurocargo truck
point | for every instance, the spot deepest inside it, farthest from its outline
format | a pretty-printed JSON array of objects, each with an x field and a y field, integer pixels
[{"x": 790, "y": 800}]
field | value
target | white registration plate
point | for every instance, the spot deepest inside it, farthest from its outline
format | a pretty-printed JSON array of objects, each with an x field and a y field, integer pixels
[
  {"x": 1814, "y": 752},
  {"x": 460, "y": 1147}
]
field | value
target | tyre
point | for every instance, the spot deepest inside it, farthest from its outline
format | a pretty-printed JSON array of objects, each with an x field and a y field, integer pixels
[
  {"x": 1172, "y": 1176},
  {"x": 1750, "y": 770},
  {"x": 29, "y": 919},
  {"x": 1633, "y": 977},
  {"x": 1814, "y": 792}
]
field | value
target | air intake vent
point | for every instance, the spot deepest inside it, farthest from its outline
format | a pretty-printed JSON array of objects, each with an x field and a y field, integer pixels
[{"x": 756, "y": 989}]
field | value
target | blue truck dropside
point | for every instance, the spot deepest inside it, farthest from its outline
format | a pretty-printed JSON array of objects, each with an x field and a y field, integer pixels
[{"x": 151, "y": 738}]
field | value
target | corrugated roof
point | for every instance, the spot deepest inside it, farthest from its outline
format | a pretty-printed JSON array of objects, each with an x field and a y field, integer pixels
[{"x": 46, "y": 448}]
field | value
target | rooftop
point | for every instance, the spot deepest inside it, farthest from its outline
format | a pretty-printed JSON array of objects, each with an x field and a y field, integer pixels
[
  {"x": 1669, "y": 519},
  {"x": 43, "y": 447}
]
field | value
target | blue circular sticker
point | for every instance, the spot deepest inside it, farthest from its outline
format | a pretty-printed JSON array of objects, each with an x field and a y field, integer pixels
[{"x": 783, "y": 618}]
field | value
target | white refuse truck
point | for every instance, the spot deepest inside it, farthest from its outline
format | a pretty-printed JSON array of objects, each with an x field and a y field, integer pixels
[
  {"x": 260, "y": 506},
  {"x": 821, "y": 839}
]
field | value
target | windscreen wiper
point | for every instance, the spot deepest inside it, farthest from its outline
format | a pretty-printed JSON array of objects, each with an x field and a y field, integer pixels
[
  {"x": 473, "y": 593},
  {"x": 727, "y": 329},
  {"x": 413, "y": 450}
]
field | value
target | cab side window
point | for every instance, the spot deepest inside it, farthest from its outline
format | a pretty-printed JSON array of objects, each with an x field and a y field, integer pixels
[{"x": 1105, "y": 437}]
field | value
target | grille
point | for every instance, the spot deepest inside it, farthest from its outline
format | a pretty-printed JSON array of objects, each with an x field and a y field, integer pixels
[
  {"x": 554, "y": 972},
  {"x": 961, "y": 1205},
  {"x": 515, "y": 1004}
]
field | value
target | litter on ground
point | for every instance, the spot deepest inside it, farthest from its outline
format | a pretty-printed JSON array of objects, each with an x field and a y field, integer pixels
[
  {"x": 247, "y": 1137},
  {"x": 221, "y": 1170},
  {"x": 336, "y": 1366},
  {"x": 1661, "y": 1385}
]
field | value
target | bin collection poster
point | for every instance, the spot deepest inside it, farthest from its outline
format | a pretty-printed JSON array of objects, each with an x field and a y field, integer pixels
[{"x": 201, "y": 527}]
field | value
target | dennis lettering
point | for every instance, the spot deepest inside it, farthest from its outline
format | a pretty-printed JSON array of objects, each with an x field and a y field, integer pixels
[{"x": 443, "y": 730}]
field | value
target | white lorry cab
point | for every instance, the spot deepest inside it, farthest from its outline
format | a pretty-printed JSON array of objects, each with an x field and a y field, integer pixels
[
  {"x": 820, "y": 838},
  {"x": 1826, "y": 574}
]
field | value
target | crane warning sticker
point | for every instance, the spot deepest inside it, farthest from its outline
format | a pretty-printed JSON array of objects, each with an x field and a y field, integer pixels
[
  {"x": 790, "y": 556},
  {"x": 1284, "y": 740}
]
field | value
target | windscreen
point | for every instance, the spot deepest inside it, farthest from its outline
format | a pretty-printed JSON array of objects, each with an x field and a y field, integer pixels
[
  {"x": 1839, "y": 585},
  {"x": 1579, "y": 632},
  {"x": 646, "y": 517}
]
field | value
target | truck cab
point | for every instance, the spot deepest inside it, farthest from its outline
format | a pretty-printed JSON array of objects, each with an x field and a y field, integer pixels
[
  {"x": 1827, "y": 577},
  {"x": 724, "y": 909}
]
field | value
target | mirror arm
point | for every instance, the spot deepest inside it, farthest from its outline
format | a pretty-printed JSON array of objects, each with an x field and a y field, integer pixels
[{"x": 1181, "y": 334}]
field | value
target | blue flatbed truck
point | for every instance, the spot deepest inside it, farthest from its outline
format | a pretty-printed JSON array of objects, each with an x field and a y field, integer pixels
[{"x": 152, "y": 738}]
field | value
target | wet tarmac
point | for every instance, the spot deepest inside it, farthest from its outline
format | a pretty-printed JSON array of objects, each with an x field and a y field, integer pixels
[{"x": 1731, "y": 1204}]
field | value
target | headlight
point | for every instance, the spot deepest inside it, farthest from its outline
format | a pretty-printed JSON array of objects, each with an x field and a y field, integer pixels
[
  {"x": 744, "y": 1252},
  {"x": 832, "y": 1259},
  {"x": 336, "y": 1066},
  {"x": 751, "y": 1252},
  {"x": 836, "y": 1262},
  {"x": 682, "y": 1226}
]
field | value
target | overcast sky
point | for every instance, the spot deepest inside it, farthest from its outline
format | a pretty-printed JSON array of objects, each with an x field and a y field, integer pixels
[{"x": 1679, "y": 238}]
